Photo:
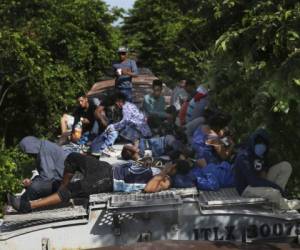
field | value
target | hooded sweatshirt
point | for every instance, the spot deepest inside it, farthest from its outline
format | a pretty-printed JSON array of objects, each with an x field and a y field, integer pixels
[
  {"x": 244, "y": 165},
  {"x": 50, "y": 157}
]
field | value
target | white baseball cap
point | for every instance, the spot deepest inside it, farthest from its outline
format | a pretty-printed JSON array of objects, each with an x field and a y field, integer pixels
[{"x": 122, "y": 50}]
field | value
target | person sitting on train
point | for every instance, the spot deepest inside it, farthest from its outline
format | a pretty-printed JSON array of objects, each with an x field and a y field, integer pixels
[
  {"x": 190, "y": 88},
  {"x": 89, "y": 117},
  {"x": 256, "y": 178},
  {"x": 154, "y": 106},
  {"x": 212, "y": 141},
  {"x": 133, "y": 126},
  {"x": 98, "y": 177},
  {"x": 179, "y": 95}
]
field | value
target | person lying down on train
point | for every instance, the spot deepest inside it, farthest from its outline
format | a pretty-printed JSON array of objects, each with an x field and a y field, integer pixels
[
  {"x": 154, "y": 147},
  {"x": 99, "y": 177}
]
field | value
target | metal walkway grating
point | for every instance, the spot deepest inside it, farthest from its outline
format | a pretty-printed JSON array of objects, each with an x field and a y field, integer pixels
[
  {"x": 226, "y": 196},
  {"x": 145, "y": 200},
  {"x": 17, "y": 221}
]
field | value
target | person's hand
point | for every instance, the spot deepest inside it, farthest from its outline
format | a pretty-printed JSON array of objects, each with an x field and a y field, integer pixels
[
  {"x": 201, "y": 163},
  {"x": 213, "y": 142},
  {"x": 84, "y": 120},
  {"x": 26, "y": 182},
  {"x": 75, "y": 137},
  {"x": 109, "y": 128},
  {"x": 126, "y": 71}
]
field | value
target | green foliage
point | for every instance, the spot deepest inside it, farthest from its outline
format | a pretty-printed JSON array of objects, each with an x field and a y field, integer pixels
[
  {"x": 14, "y": 165},
  {"x": 49, "y": 51},
  {"x": 247, "y": 52}
]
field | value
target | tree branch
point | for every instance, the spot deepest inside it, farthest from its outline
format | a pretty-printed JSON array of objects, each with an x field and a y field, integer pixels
[{"x": 5, "y": 91}]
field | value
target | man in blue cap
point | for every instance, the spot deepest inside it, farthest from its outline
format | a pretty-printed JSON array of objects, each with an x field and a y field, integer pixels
[{"x": 125, "y": 69}]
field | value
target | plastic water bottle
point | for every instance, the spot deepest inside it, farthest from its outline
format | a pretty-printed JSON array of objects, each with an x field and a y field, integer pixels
[{"x": 78, "y": 130}]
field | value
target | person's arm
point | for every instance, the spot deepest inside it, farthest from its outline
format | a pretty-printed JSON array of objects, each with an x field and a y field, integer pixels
[
  {"x": 134, "y": 68},
  {"x": 132, "y": 71},
  {"x": 156, "y": 184},
  {"x": 85, "y": 121},
  {"x": 120, "y": 125},
  {"x": 114, "y": 68},
  {"x": 161, "y": 181},
  {"x": 101, "y": 116},
  {"x": 222, "y": 151},
  {"x": 77, "y": 115}
]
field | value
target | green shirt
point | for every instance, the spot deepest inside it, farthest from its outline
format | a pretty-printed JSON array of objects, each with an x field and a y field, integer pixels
[{"x": 154, "y": 106}]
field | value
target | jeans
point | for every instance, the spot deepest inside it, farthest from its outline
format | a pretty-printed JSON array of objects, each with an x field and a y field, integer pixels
[
  {"x": 103, "y": 141},
  {"x": 39, "y": 188}
]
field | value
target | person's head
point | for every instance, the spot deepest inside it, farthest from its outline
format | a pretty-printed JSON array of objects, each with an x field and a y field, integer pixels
[
  {"x": 190, "y": 86},
  {"x": 82, "y": 100},
  {"x": 130, "y": 152},
  {"x": 171, "y": 110},
  {"x": 218, "y": 122},
  {"x": 157, "y": 87},
  {"x": 182, "y": 83},
  {"x": 31, "y": 145},
  {"x": 122, "y": 52},
  {"x": 260, "y": 148},
  {"x": 261, "y": 143},
  {"x": 120, "y": 99}
]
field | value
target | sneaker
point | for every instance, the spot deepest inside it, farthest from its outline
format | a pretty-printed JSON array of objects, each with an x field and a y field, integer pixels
[{"x": 20, "y": 204}]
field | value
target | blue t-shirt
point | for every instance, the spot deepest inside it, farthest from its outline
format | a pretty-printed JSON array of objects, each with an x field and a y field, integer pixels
[
  {"x": 202, "y": 150},
  {"x": 124, "y": 81},
  {"x": 132, "y": 176}
]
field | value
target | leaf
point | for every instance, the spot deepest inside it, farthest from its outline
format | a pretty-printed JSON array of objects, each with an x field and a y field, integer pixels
[
  {"x": 292, "y": 35},
  {"x": 297, "y": 81}
]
